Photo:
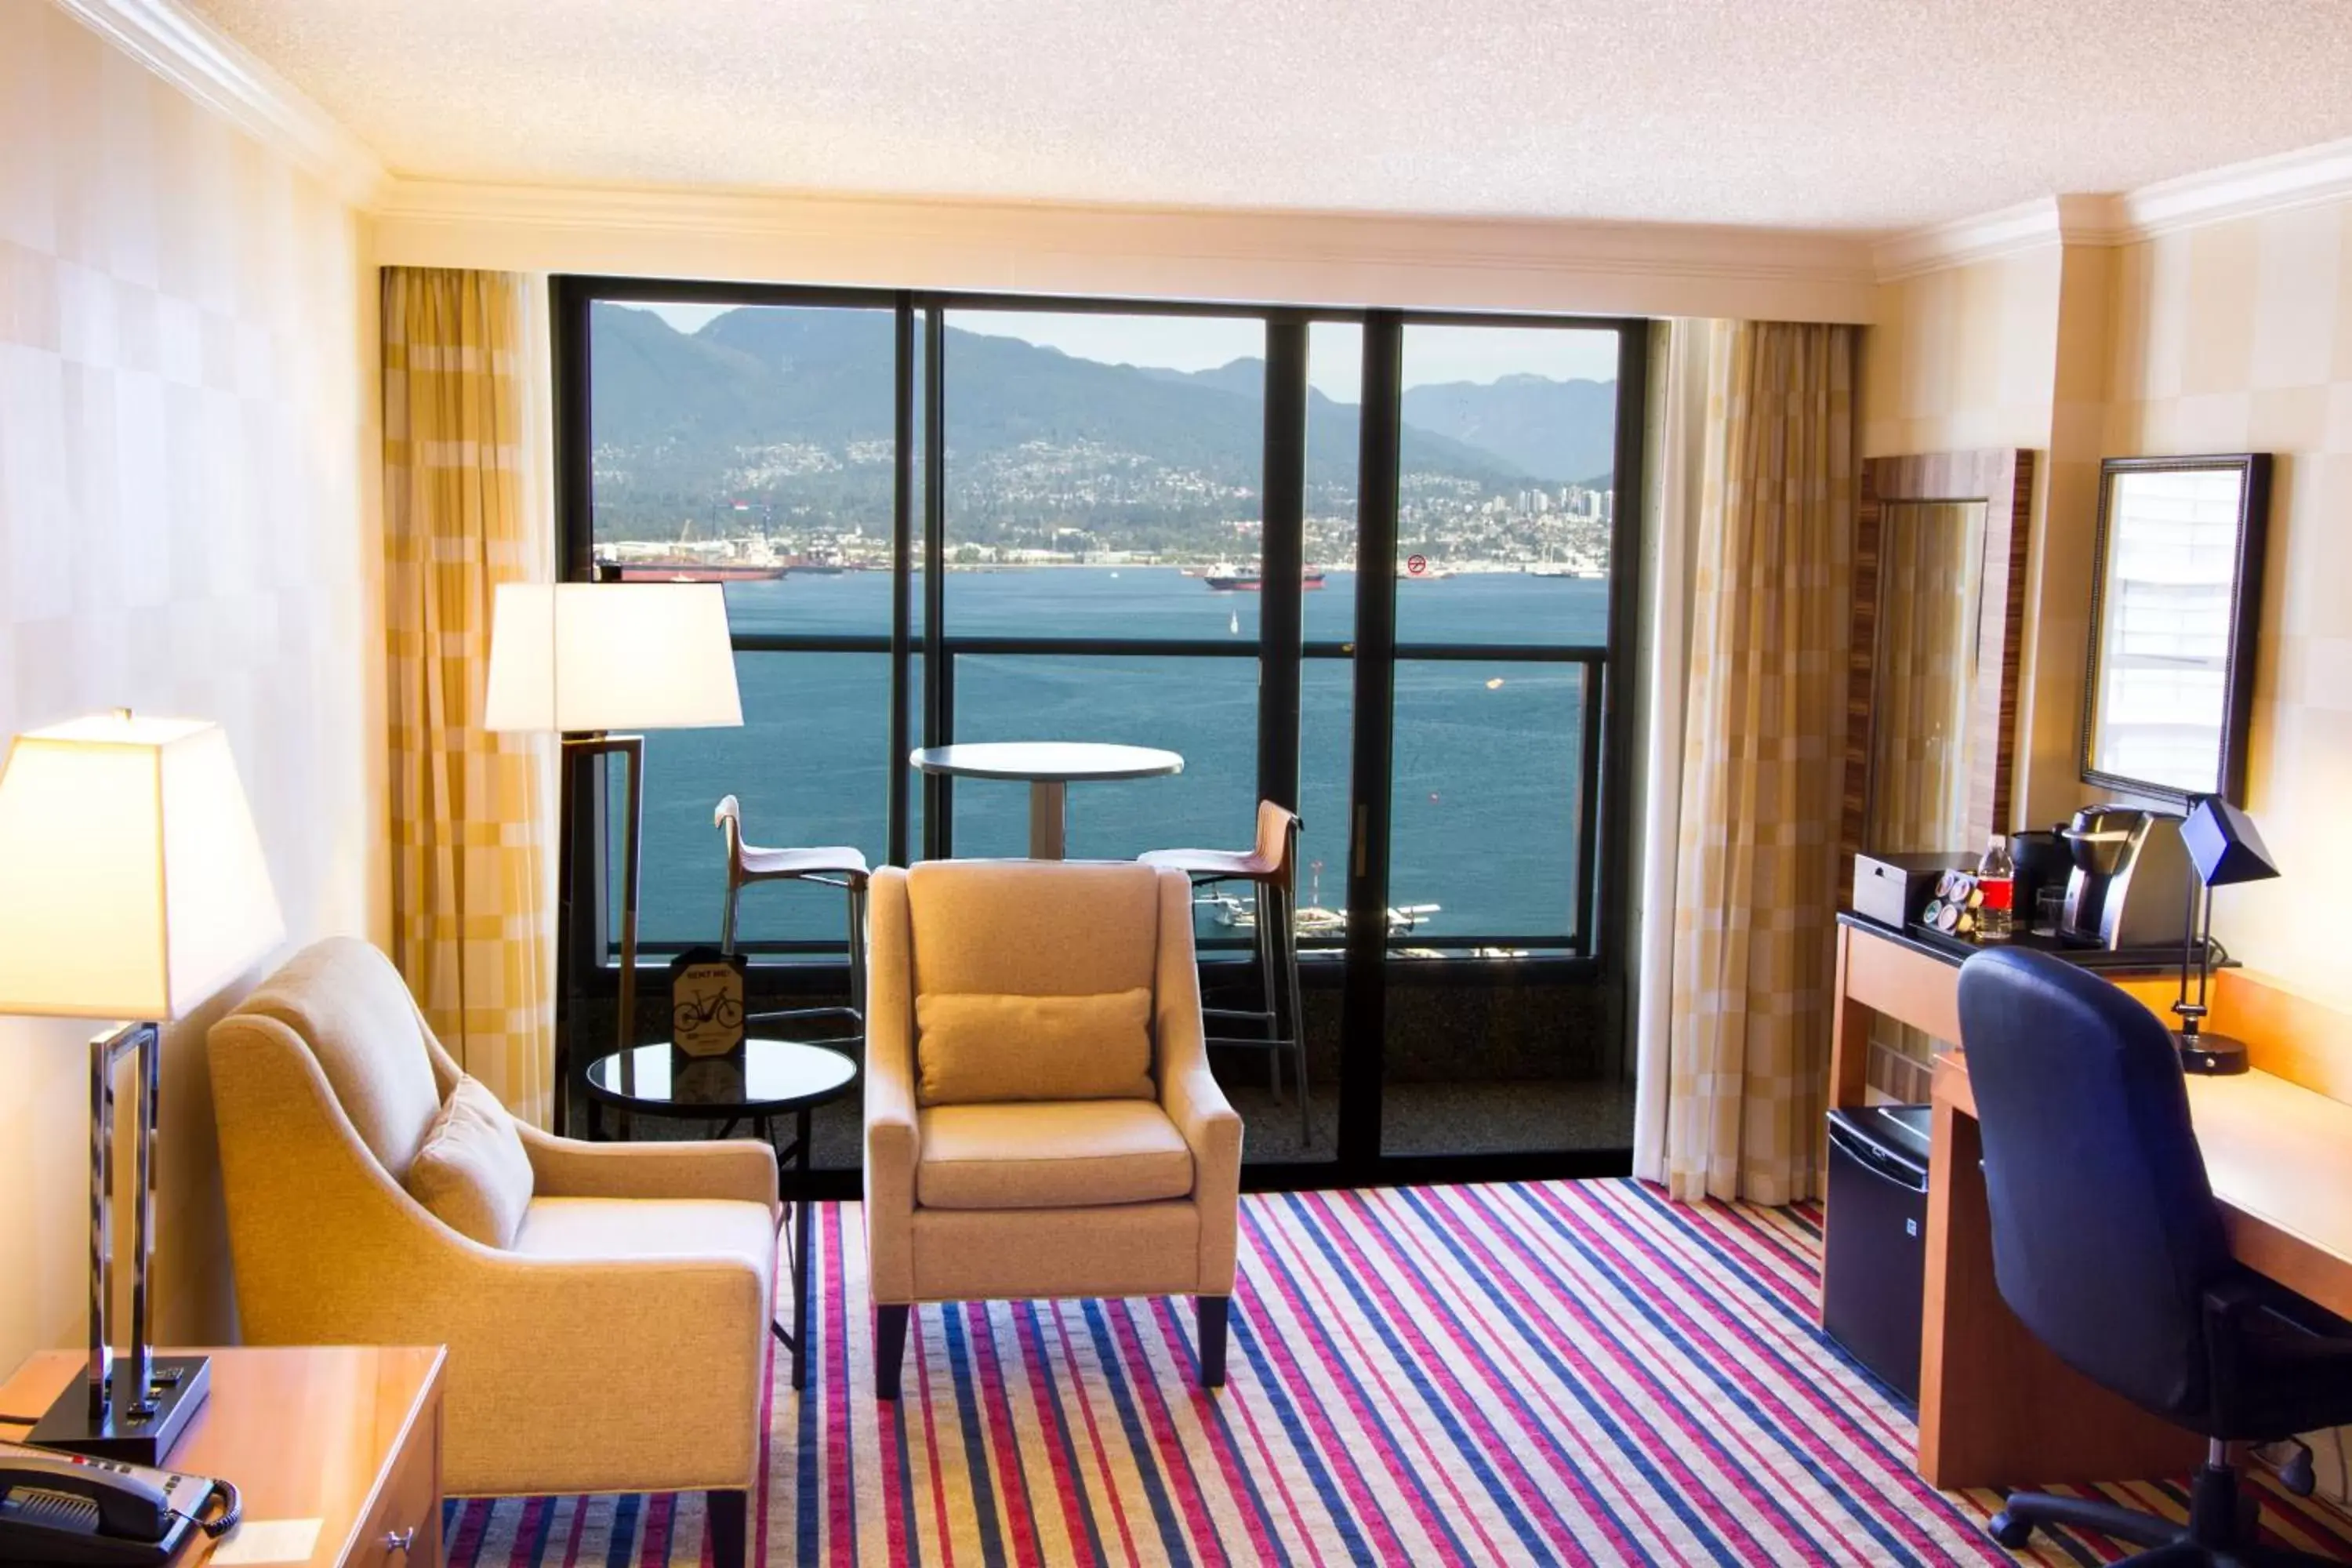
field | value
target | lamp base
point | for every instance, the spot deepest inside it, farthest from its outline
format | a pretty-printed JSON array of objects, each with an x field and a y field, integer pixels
[
  {"x": 2211, "y": 1056},
  {"x": 179, "y": 1389}
]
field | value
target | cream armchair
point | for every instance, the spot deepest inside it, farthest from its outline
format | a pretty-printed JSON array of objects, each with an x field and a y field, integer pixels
[
  {"x": 620, "y": 1344},
  {"x": 993, "y": 1196}
]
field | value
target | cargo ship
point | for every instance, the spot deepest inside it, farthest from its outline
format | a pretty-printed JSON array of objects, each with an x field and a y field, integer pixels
[
  {"x": 1226, "y": 578},
  {"x": 685, "y": 569},
  {"x": 1574, "y": 568},
  {"x": 750, "y": 560}
]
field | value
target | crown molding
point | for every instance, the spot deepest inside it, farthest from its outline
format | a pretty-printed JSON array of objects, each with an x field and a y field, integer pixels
[
  {"x": 220, "y": 73},
  {"x": 2012, "y": 231},
  {"x": 2281, "y": 183},
  {"x": 1216, "y": 233},
  {"x": 1314, "y": 258}
]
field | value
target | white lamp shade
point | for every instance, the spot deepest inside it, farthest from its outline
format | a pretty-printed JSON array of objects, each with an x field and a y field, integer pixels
[
  {"x": 611, "y": 655},
  {"x": 132, "y": 884}
]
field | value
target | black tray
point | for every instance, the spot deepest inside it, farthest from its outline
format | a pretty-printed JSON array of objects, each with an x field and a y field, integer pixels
[{"x": 2083, "y": 954}]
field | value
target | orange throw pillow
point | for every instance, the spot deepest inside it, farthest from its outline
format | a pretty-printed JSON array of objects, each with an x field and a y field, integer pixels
[
  {"x": 972, "y": 1048},
  {"x": 473, "y": 1173}
]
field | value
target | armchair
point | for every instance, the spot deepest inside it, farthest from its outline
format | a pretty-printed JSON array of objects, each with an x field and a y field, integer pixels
[
  {"x": 620, "y": 1344},
  {"x": 1057, "y": 1195}
]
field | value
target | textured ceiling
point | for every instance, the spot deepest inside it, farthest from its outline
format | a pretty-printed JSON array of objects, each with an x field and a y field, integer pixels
[{"x": 1864, "y": 114}]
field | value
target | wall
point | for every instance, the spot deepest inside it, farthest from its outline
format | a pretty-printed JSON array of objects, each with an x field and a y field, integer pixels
[
  {"x": 2237, "y": 337},
  {"x": 2234, "y": 335},
  {"x": 183, "y": 405},
  {"x": 1963, "y": 357}
]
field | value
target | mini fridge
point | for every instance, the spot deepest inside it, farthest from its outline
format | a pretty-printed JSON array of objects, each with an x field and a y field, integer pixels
[{"x": 1875, "y": 1256}]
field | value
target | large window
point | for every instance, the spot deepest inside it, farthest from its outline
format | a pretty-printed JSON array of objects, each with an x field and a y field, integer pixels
[{"x": 944, "y": 518}]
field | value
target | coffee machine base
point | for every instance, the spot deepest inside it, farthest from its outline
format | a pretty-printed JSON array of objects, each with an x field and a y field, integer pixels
[{"x": 2211, "y": 1056}]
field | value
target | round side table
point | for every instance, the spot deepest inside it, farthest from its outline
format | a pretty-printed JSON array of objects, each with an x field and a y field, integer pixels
[
  {"x": 1050, "y": 767},
  {"x": 765, "y": 1080}
]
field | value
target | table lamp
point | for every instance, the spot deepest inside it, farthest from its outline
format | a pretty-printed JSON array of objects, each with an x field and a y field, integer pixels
[
  {"x": 2224, "y": 848},
  {"x": 587, "y": 660},
  {"x": 131, "y": 886}
]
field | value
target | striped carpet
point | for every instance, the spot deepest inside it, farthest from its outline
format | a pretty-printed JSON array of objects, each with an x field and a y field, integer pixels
[{"x": 1567, "y": 1372}]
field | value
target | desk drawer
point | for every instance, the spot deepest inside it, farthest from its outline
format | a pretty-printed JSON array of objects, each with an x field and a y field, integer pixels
[
  {"x": 1906, "y": 986},
  {"x": 403, "y": 1530}
]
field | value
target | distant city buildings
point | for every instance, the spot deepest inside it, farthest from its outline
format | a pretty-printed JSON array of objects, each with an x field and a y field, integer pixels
[{"x": 1044, "y": 502}]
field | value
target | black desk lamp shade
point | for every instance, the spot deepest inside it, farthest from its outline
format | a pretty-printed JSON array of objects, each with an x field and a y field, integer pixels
[{"x": 2225, "y": 848}]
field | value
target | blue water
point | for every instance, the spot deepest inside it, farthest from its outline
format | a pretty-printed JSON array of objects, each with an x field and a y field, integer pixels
[{"x": 1484, "y": 778}]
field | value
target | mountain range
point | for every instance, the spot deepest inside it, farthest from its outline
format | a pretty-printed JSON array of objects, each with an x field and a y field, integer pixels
[{"x": 793, "y": 408}]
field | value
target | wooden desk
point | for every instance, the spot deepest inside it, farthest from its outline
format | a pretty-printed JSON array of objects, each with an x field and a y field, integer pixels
[
  {"x": 1996, "y": 1408},
  {"x": 347, "y": 1434}
]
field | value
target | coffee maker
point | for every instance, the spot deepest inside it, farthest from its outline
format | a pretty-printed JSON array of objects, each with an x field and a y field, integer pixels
[{"x": 2129, "y": 887}]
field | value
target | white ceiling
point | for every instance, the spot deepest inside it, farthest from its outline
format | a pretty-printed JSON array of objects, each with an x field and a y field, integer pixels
[{"x": 1843, "y": 114}]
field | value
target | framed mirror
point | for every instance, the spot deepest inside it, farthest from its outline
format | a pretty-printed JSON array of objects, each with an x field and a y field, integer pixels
[
  {"x": 1938, "y": 612},
  {"x": 2168, "y": 691}
]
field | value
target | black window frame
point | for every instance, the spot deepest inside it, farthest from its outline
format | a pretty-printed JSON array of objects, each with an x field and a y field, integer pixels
[{"x": 918, "y": 638}]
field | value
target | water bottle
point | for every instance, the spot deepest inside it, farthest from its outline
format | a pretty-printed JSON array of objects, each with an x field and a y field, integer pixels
[{"x": 1996, "y": 881}]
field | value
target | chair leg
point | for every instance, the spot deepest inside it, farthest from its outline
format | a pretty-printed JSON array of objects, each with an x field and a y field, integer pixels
[
  {"x": 857, "y": 955},
  {"x": 2022, "y": 1510},
  {"x": 1297, "y": 1031},
  {"x": 889, "y": 1349},
  {"x": 1212, "y": 1311},
  {"x": 1267, "y": 986},
  {"x": 728, "y": 1513}
]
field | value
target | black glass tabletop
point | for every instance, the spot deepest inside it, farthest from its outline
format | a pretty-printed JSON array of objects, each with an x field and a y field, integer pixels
[{"x": 765, "y": 1077}]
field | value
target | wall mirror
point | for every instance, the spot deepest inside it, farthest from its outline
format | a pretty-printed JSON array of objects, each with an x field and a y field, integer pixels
[
  {"x": 1938, "y": 604},
  {"x": 2169, "y": 688}
]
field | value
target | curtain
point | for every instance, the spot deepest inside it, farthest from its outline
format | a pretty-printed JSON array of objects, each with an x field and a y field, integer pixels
[
  {"x": 1747, "y": 1031},
  {"x": 471, "y": 859},
  {"x": 1689, "y": 366}
]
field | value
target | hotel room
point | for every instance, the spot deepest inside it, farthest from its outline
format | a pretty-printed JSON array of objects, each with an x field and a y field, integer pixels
[{"x": 1382, "y": 784}]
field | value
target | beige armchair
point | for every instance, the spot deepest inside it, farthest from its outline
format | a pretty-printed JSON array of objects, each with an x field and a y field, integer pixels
[
  {"x": 993, "y": 1196},
  {"x": 620, "y": 1344}
]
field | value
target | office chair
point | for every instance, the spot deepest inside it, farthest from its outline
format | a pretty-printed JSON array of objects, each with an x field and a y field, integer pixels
[{"x": 2108, "y": 1245}]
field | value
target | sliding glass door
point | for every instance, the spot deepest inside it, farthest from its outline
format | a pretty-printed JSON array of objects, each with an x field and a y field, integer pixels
[{"x": 1501, "y": 576}]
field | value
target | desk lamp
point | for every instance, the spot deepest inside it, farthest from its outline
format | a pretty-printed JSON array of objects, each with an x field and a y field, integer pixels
[
  {"x": 131, "y": 886},
  {"x": 2224, "y": 848},
  {"x": 586, "y": 659}
]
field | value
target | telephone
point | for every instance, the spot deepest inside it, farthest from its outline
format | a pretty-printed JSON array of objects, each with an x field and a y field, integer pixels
[{"x": 57, "y": 1507}]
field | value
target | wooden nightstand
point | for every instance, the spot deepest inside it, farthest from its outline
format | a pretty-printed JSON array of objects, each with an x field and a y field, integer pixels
[{"x": 348, "y": 1434}]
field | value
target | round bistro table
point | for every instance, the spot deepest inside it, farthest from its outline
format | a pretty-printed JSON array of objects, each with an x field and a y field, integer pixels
[
  {"x": 1049, "y": 768},
  {"x": 766, "y": 1080}
]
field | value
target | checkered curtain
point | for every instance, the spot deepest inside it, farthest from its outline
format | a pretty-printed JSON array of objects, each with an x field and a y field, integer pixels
[
  {"x": 471, "y": 833},
  {"x": 1755, "y": 884}
]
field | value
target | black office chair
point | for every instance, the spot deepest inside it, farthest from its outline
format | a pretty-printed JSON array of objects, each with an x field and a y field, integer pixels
[{"x": 2107, "y": 1245}]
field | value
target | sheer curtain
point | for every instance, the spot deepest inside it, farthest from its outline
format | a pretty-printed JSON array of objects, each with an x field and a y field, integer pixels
[
  {"x": 472, "y": 908},
  {"x": 1733, "y": 1047}
]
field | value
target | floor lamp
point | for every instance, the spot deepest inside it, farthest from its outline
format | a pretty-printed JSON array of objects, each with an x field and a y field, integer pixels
[
  {"x": 131, "y": 886},
  {"x": 595, "y": 662}
]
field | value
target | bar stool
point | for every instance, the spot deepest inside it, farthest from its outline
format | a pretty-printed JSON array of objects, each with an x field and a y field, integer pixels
[
  {"x": 1271, "y": 864},
  {"x": 834, "y": 866}
]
